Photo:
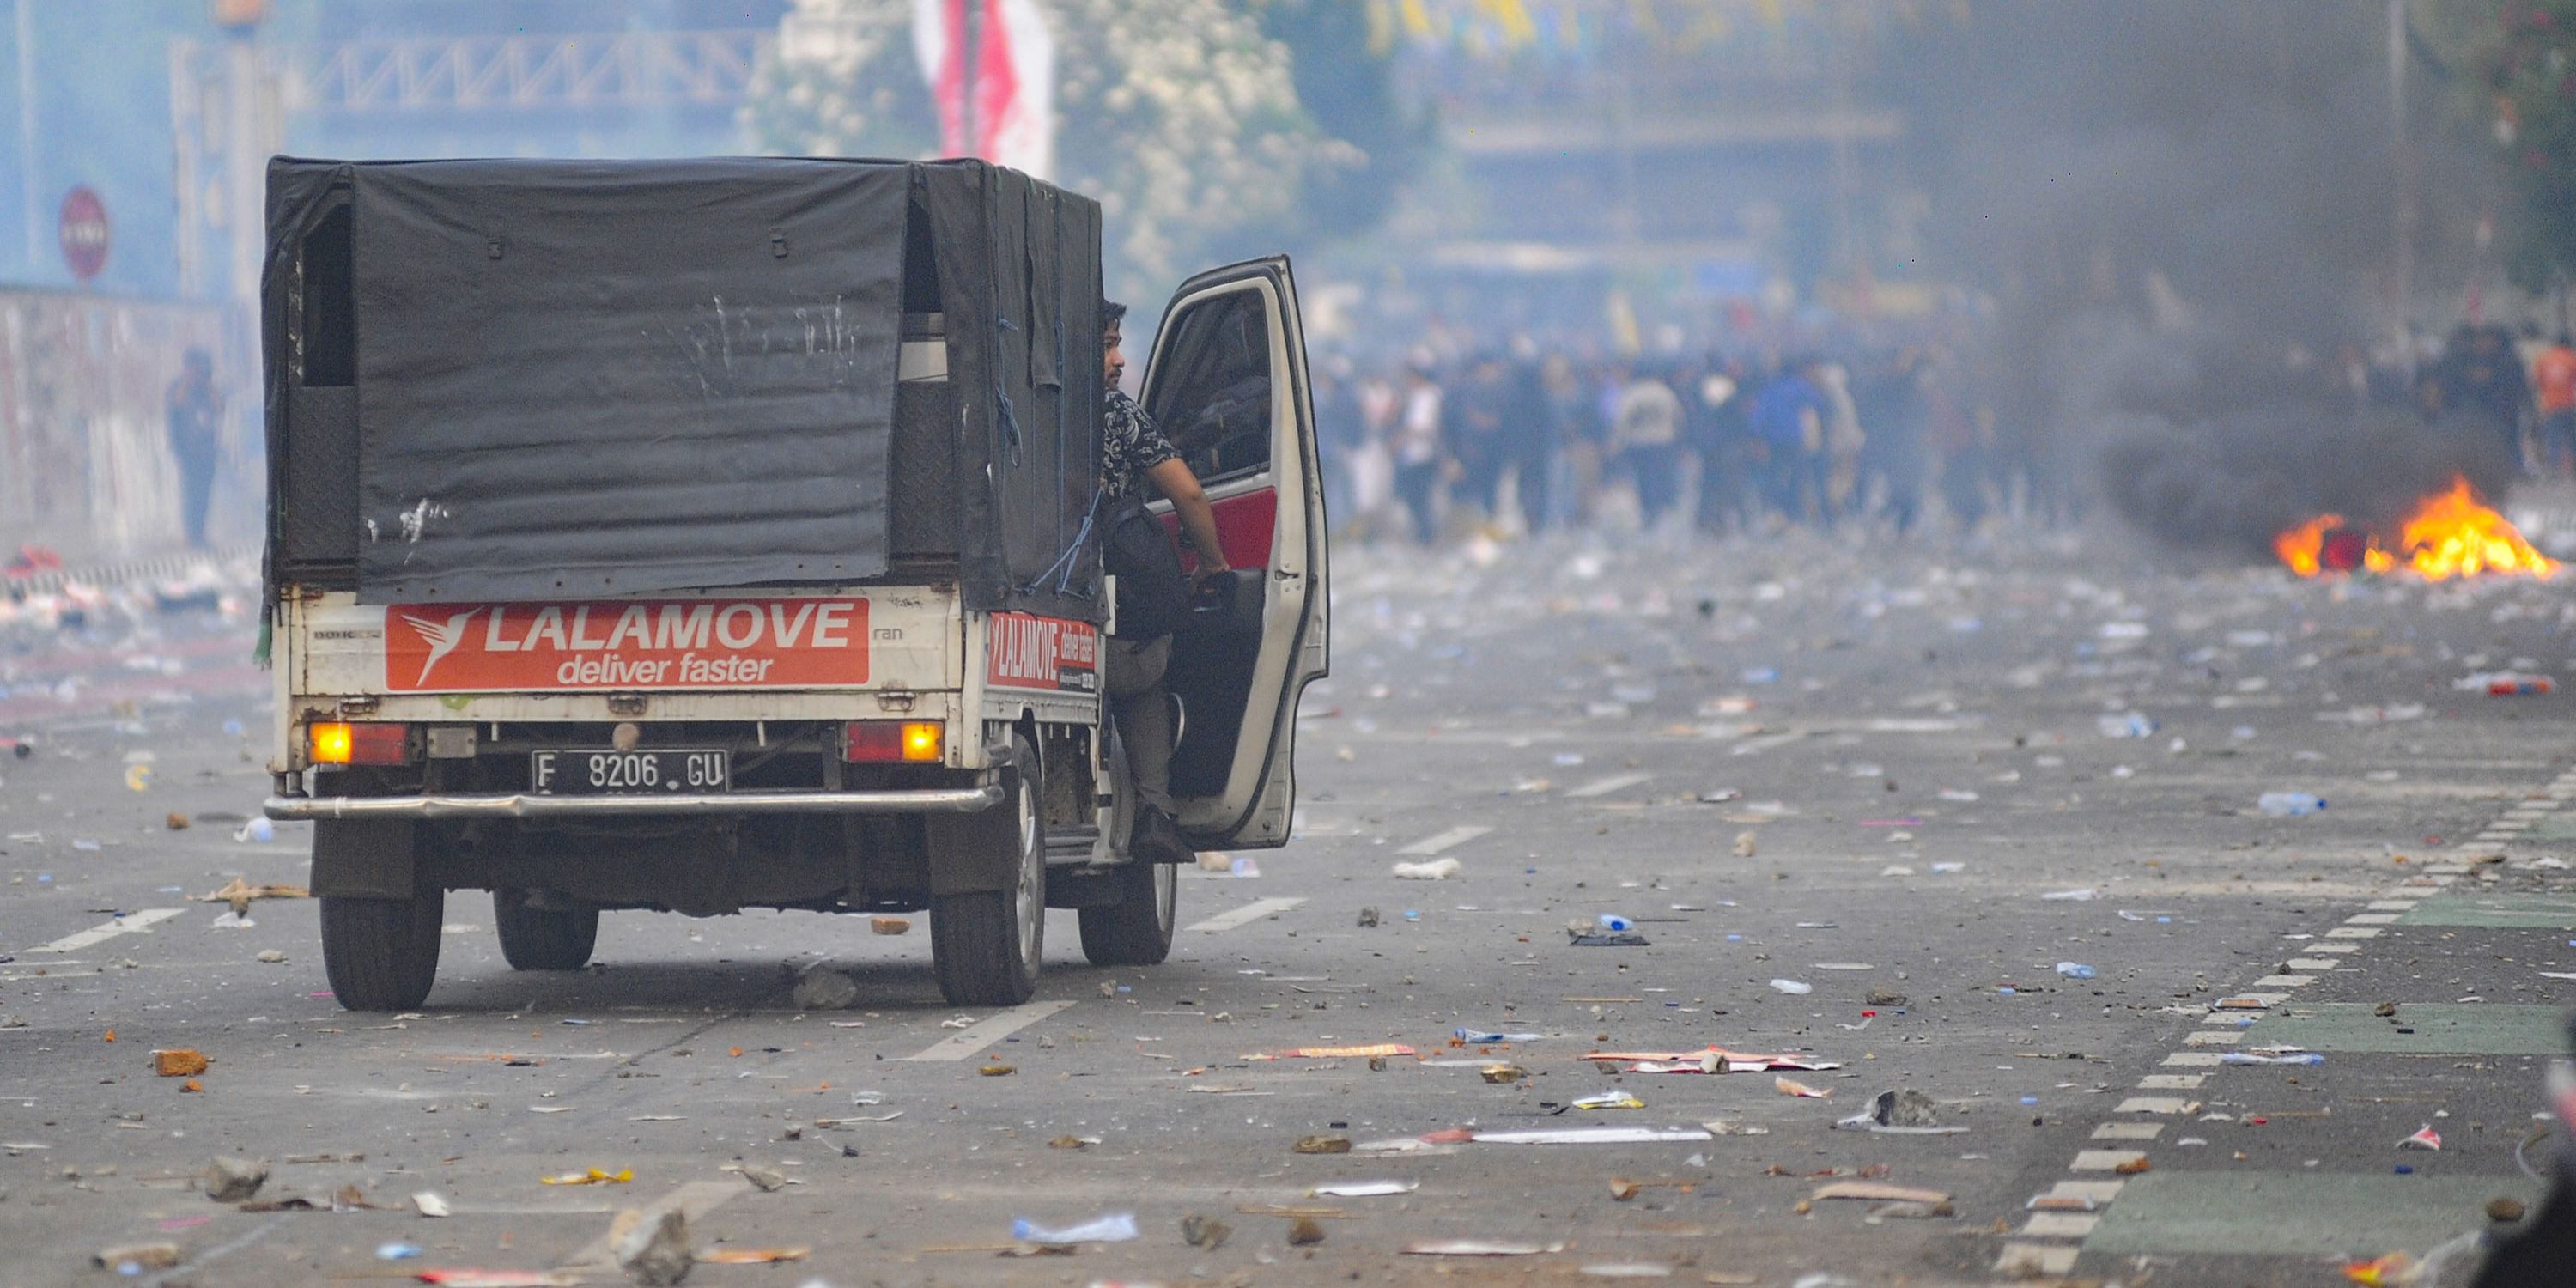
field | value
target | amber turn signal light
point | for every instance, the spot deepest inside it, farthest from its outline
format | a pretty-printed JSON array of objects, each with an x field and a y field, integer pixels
[
  {"x": 337, "y": 742},
  {"x": 886, "y": 742}
]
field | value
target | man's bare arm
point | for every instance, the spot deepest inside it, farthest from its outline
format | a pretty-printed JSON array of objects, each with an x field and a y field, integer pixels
[{"x": 1178, "y": 485}]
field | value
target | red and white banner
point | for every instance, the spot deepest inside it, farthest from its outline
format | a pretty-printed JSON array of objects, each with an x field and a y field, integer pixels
[
  {"x": 1050, "y": 653},
  {"x": 626, "y": 644},
  {"x": 1001, "y": 106}
]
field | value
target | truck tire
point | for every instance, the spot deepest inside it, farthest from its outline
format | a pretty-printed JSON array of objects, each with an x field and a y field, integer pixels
[
  {"x": 381, "y": 954},
  {"x": 538, "y": 939},
  {"x": 1136, "y": 930},
  {"x": 985, "y": 945}
]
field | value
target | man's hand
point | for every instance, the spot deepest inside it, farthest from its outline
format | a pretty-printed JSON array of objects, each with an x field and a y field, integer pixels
[{"x": 1209, "y": 569}]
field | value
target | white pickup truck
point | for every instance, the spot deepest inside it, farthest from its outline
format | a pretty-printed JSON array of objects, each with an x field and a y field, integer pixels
[{"x": 704, "y": 535}]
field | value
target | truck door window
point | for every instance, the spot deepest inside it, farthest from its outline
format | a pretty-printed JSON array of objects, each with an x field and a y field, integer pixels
[{"x": 1212, "y": 395}]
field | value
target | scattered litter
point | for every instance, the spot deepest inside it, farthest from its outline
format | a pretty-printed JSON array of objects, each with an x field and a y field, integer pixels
[
  {"x": 430, "y": 1203},
  {"x": 1713, "y": 1059},
  {"x": 1792, "y": 987},
  {"x": 888, "y": 926},
  {"x": 1323, "y": 1145},
  {"x": 1305, "y": 1231},
  {"x": 2126, "y": 725},
  {"x": 2075, "y": 970},
  {"x": 178, "y": 1062},
  {"x": 240, "y": 895},
  {"x": 1435, "y": 870},
  {"x": 591, "y": 1176},
  {"x": 1205, "y": 1232},
  {"x": 1364, "y": 1189},
  {"x": 258, "y": 831},
  {"x": 1486, "y": 1035},
  {"x": 1744, "y": 844},
  {"x": 822, "y": 988},
  {"x": 1503, "y": 1074},
  {"x": 1610, "y": 1100},
  {"x": 493, "y": 1278},
  {"x": 1878, "y": 1192},
  {"x": 135, "y": 1258},
  {"x": 2504, "y": 684},
  {"x": 1622, "y": 939},
  {"x": 2271, "y": 1057},
  {"x": 1793, "y": 1087},
  {"x": 1478, "y": 1248},
  {"x": 656, "y": 1253},
  {"x": 1381, "y": 1051},
  {"x": 2425, "y": 1138},
  {"x": 767, "y": 1180},
  {"x": 397, "y": 1251},
  {"x": 271, "y": 956},
  {"x": 753, "y": 1256},
  {"x": 1589, "y": 1136},
  {"x": 2085, "y": 895},
  {"x": 2289, "y": 804},
  {"x": 1116, "y": 1227},
  {"x": 231, "y": 1180}
]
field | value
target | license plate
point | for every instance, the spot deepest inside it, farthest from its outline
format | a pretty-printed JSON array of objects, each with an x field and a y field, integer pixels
[{"x": 628, "y": 773}]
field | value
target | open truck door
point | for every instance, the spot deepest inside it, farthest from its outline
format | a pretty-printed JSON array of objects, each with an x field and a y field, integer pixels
[{"x": 1226, "y": 381}]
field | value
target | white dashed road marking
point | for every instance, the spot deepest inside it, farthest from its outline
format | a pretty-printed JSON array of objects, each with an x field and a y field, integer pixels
[
  {"x": 1606, "y": 786},
  {"x": 1454, "y": 836},
  {"x": 1249, "y": 912},
  {"x": 984, "y": 1033},
  {"x": 127, "y": 924}
]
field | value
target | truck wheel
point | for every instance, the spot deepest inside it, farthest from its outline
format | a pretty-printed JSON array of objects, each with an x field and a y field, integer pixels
[
  {"x": 537, "y": 939},
  {"x": 1136, "y": 930},
  {"x": 985, "y": 945},
  {"x": 381, "y": 954}
]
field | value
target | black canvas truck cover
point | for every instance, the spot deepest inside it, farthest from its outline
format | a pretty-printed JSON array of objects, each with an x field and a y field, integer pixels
[{"x": 543, "y": 379}]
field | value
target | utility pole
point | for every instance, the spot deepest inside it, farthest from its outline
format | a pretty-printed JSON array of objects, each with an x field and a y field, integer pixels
[
  {"x": 30, "y": 207},
  {"x": 2401, "y": 269}
]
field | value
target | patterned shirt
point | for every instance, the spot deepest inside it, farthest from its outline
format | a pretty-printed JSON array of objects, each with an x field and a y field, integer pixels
[{"x": 1130, "y": 444}]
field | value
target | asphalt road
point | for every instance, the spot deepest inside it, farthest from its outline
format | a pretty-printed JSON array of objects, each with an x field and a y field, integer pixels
[{"x": 1861, "y": 771}]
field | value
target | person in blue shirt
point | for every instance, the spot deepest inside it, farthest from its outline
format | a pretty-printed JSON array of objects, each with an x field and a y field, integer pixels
[{"x": 1789, "y": 423}]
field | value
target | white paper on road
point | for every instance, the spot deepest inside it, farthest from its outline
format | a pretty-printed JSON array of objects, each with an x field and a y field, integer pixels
[
  {"x": 1365, "y": 1189},
  {"x": 983, "y": 1033},
  {"x": 1591, "y": 1136},
  {"x": 139, "y": 920},
  {"x": 1254, "y": 911},
  {"x": 1454, "y": 836}
]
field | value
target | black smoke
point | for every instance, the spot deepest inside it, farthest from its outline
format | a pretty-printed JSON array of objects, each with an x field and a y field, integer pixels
[{"x": 2185, "y": 212}]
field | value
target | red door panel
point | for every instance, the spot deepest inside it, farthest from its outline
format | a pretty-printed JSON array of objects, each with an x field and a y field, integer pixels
[{"x": 1245, "y": 523}]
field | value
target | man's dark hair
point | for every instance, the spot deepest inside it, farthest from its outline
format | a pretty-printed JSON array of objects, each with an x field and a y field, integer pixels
[{"x": 1111, "y": 311}]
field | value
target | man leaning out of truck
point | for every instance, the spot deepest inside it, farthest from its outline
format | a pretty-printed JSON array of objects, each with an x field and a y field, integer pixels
[{"x": 1134, "y": 452}]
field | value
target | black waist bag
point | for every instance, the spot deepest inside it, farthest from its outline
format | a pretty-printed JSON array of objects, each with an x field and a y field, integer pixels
[{"x": 1153, "y": 596}]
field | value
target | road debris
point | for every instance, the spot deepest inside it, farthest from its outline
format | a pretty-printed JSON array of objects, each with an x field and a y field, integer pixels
[
  {"x": 655, "y": 1251},
  {"x": 430, "y": 1203},
  {"x": 231, "y": 1180},
  {"x": 2425, "y": 1138},
  {"x": 589, "y": 1176},
  {"x": 135, "y": 1258},
  {"x": 822, "y": 988},
  {"x": 1205, "y": 1232},
  {"x": 753, "y": 1256},
  {"x": 239, "y": 894},
  {"x": 1793, "y": 1087},
  {"x": 1113, "y": 1227},
  {"x": 1364, "y": 1189},
  {"x": 1323, "y": 1145},
  {"x": 1305, "y": 1231},
  {"x": 1877, "y": 1192},
  {"x": 1478, "y": 1248},
  {"x": 1435, "y": 870},
  {"x": 179, "y": 1062}
]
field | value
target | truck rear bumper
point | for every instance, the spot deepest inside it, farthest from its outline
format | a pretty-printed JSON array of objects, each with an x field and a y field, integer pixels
[{"x": 938, "y": 800}]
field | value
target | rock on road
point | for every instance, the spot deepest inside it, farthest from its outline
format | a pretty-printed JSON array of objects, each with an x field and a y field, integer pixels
[{"x": 1864, "y": 771}]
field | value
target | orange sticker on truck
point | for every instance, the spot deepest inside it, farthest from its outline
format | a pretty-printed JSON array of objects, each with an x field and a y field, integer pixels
[
  {"x": 1050, "y": 653},
  {"x": 626, "y": 644}
]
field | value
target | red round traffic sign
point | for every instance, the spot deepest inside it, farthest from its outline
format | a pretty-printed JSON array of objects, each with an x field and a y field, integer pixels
[{"x": 84, "y": 232}]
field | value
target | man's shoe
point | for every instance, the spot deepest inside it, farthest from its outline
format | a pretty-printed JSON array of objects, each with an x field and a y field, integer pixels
[{"x": 1157, "y": 839}]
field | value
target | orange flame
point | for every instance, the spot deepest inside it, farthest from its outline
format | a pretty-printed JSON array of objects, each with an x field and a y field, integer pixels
[{"x": 2450, "y": 534}]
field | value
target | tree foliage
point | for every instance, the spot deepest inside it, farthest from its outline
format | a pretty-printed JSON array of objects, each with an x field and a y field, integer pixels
[
  {"x": 1181, "y": 116},
  {"x": 2527, "y": 69}
]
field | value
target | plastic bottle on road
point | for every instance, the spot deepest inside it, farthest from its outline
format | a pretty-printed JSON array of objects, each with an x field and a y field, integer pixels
[
  {"x": 2290, "y": 804},
  {"x": 1613, "y": 921},
  {"x": 2075, "y": 970}
]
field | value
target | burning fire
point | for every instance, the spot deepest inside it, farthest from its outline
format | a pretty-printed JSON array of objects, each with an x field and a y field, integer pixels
[{"x": 2450, "y": 534}]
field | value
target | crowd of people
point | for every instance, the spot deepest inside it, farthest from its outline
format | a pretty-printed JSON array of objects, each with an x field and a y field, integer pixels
[{"x": 1524, "y": 438}]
